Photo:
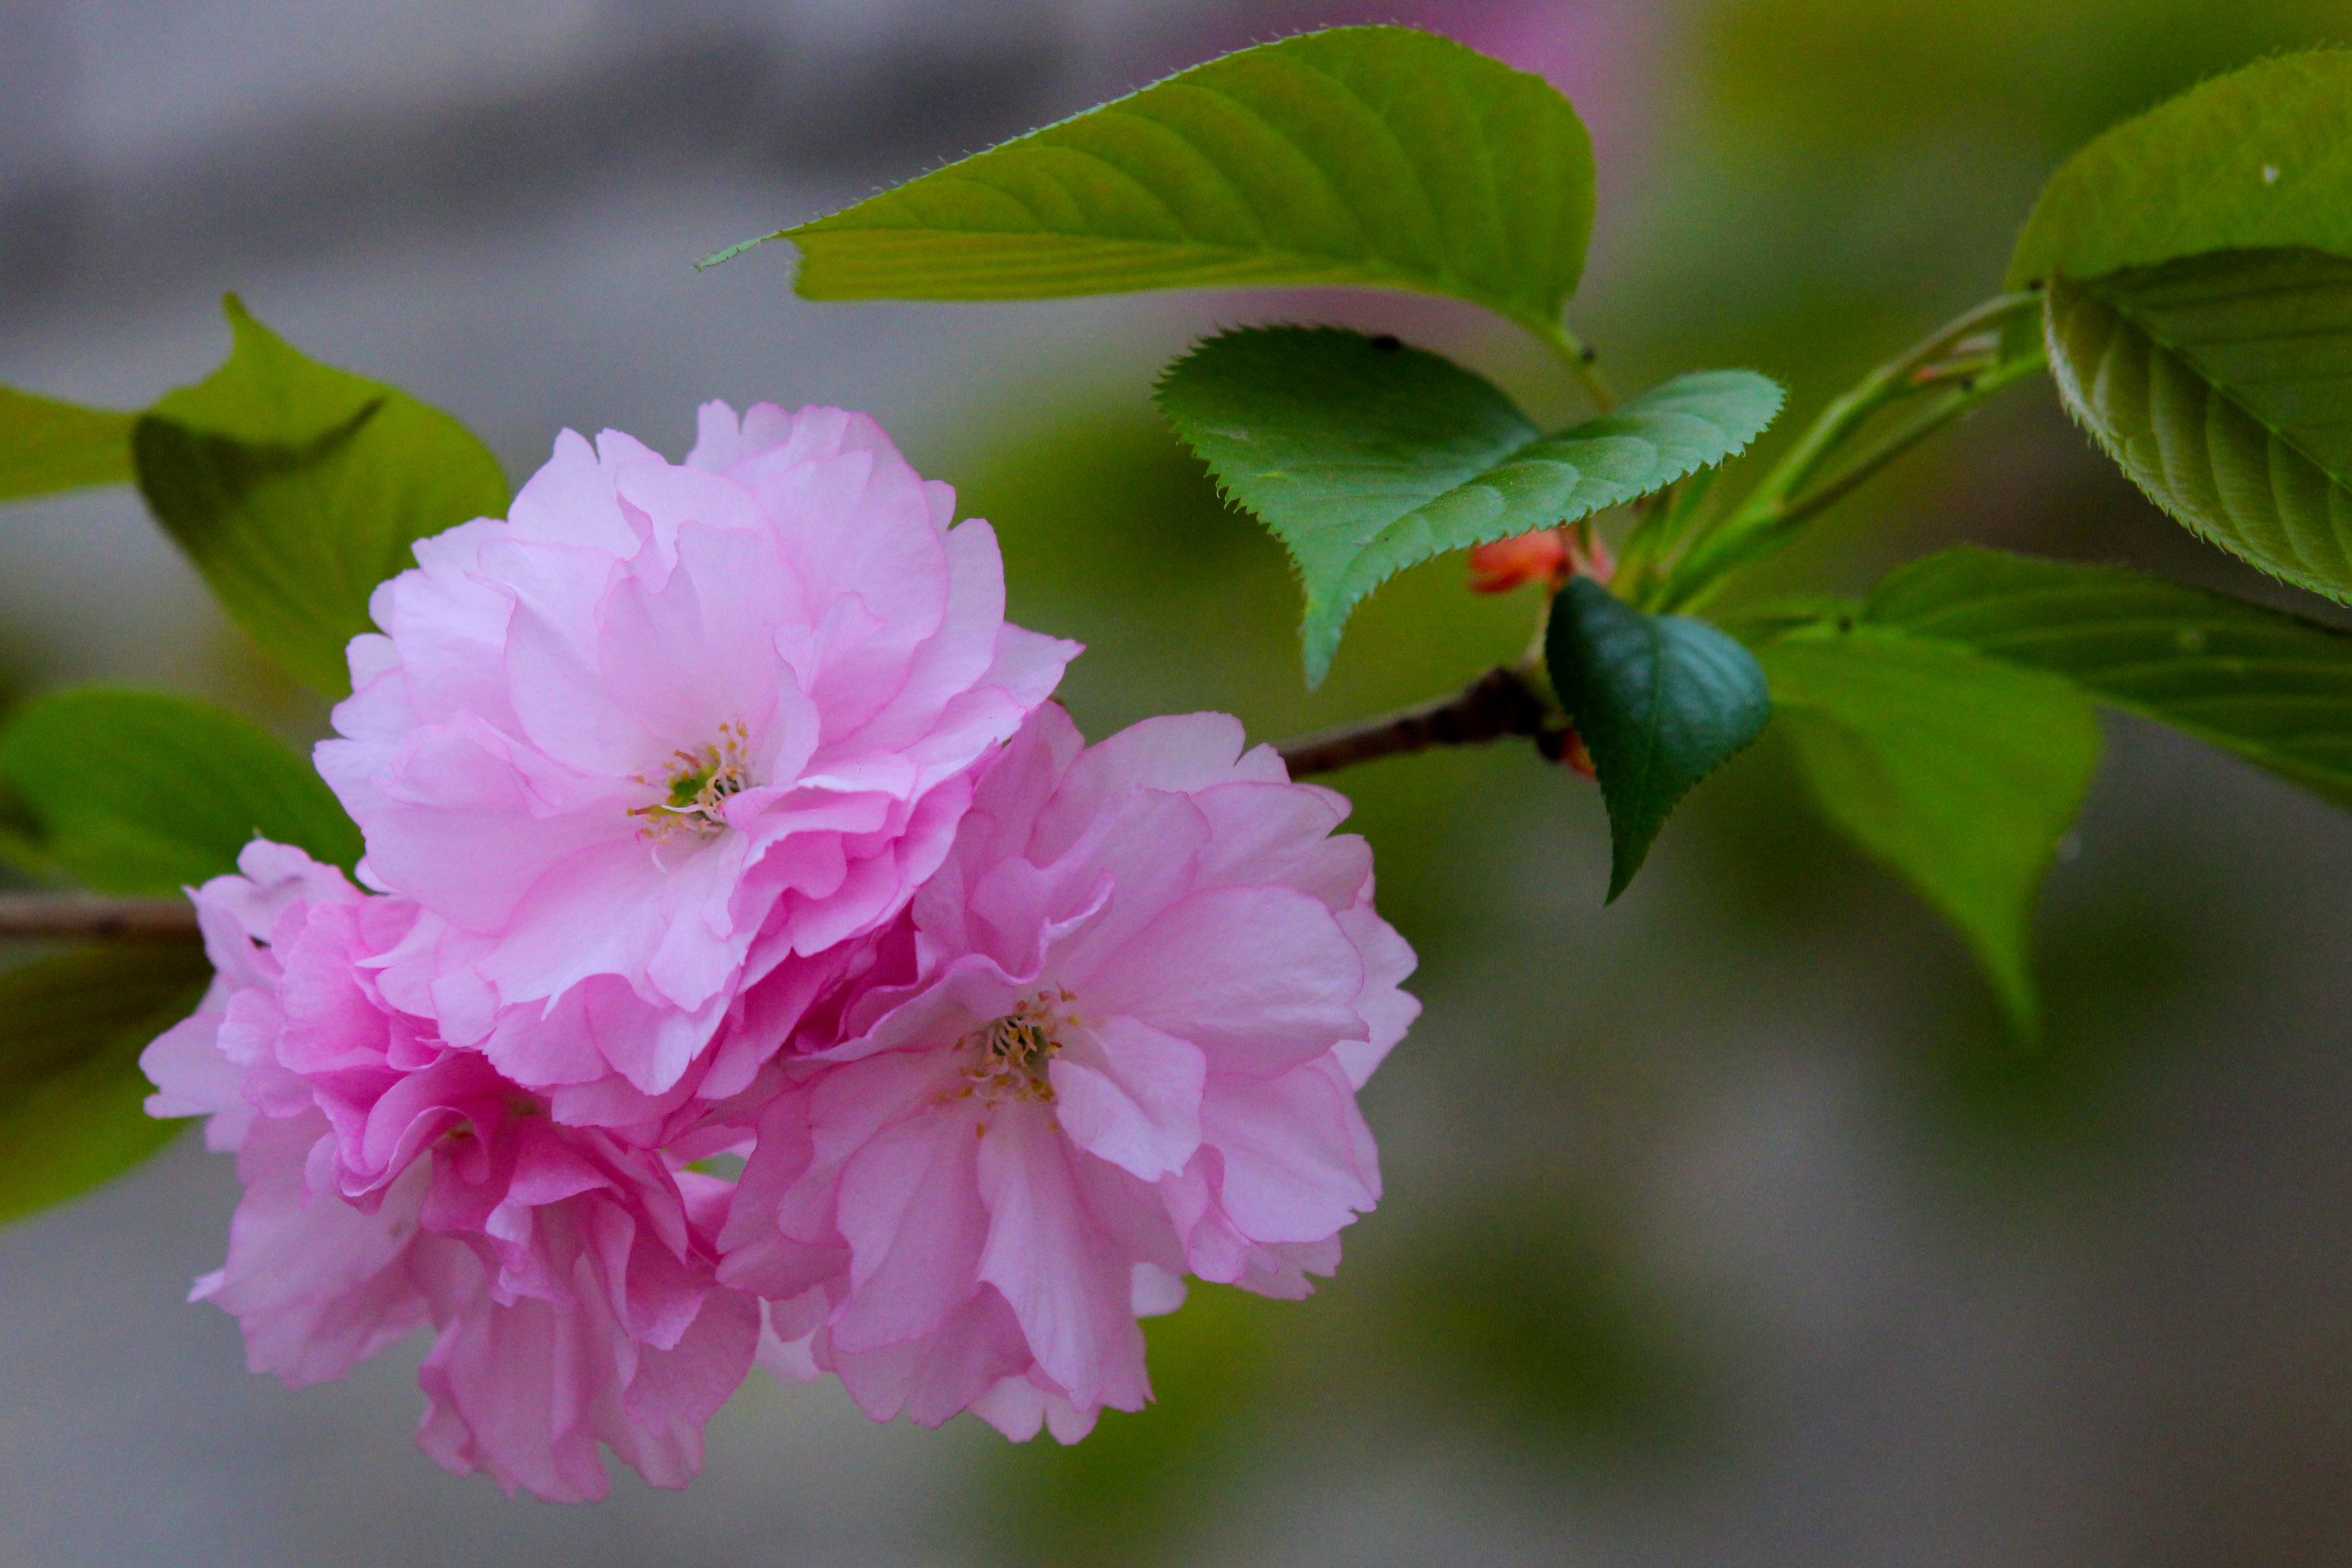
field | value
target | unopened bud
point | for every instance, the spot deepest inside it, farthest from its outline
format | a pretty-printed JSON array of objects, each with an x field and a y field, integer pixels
[
  {"x": 1542, "y": 557},
  {"x": 1566, "y": 747},
  {"x": 1549, "y": 555}
]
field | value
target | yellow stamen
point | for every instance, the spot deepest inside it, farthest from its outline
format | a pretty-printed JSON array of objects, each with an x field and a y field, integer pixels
[
  {"x": 696, "y": 787},
  {"x": 1010, "y": 1055}
]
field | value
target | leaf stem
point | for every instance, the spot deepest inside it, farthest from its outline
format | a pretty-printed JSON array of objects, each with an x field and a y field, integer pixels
[
  {"x": 1498, "y": 703},
  {"x": 1965, "y": 398},
  {"x": 1581, "y": 360},
  {"x": 83, "y": 917},
  {"x": 1770, "y": 518}
]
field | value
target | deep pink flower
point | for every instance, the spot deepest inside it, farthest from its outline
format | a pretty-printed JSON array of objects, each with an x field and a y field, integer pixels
[
  {"x": 395, "y": 1182},
  {"x": 1115, "y": 1040},
  {"x": 667, "y": 727}
]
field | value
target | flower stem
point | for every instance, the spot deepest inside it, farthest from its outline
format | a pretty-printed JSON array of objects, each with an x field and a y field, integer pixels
[
  {"x": 1498, "y": 703},
  {"x": 82, "y": 917}
]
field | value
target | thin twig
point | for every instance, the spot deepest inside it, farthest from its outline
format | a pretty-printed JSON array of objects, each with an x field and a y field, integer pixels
[
  {"x": 1963, "y": 400},
  {"x": 1498, "y": 703},
  {"x": 80, "y": 917},
  {"x": 1770, "y": 517}
]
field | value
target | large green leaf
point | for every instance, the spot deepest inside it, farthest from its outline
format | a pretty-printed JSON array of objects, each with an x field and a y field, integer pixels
[
  {"x": 2255, "y": 159},
  {"x": 2198, "y": 260},
  {"x": 1661, "y": 702},
  {"x": 71, "y": 1095},
  {"x": 1957, "y": 773},
  {"x": 1365, "y": 456},
  {"x": 1375, "y": 156},
  {"x": 2274, "y": 688},
  {"x": 2220, "y": 384},
  {"x": 134, "y": 791},
  {"x": 46, "y": 445},
  {"x": 297, "y": 488}
]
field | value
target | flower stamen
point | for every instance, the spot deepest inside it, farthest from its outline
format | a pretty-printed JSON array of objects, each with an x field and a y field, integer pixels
[
  {"x": 1010, "y": 1055},
  {"x": 696, "y": 787}
]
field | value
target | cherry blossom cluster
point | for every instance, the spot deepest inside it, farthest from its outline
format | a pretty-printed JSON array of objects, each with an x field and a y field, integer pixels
[{"x": 716, "y": 817}]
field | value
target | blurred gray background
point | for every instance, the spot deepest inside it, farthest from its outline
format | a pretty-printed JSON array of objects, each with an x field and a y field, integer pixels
[{"x": 1724, "y": 1227}]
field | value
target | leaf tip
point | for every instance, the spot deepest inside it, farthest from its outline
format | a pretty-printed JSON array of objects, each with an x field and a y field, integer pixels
[
  {"x": 1621, "y": 877},
  {"x": 2011, "y": 976},
  {"x": 732, "y": 251},
  {"x": 1318, "y": 663},
  {"x": 1320, "y": 632}
]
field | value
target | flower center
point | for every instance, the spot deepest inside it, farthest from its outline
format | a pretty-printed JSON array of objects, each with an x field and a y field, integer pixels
[
  {"x": 696, "y": 787},
  {"x": 1010, "y": 1055}
]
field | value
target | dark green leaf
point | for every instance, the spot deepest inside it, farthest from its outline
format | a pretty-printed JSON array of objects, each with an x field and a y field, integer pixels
[
  {"x": 2220, "y": 384},
  {"x": 297, "y": 488},
  {"x": 1661, "y": 701},
  {"x": 1374, "y": 156},
  {"x": 2274, "y": 688},
  {"x": 71, "y": 1095},
  {"x": 134, "y": 791},
  {"x": 1957, "y": 773},
  {"x": 1365, "y": 456},
  {"x": 2250, "y": 160},
  {"x": 46, "y": 445}
]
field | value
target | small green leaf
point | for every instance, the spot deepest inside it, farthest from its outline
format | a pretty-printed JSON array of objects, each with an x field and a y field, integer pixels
[
  {"x": 1957, "y": 773},
  {"x": 1380, "y": 157},
  {"x": 2219, "y": 383},
  {"x": 134, "y": 791},
  {"x": 2274, "y": 688},
  {"x": 2251, "y": 160},
  {"x": 1365, "y": 456},
  {"x": 45, "y": 445},
  {"x": 71, "y": 1095},
  {"x": 297, "y": 488},
  {"x": 1661, "y": 702}
]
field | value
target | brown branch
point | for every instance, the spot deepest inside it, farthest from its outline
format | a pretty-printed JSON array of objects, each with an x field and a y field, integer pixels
[
  {"x": 79, "y": 916},
  {"x": 1497, "y": 704}
]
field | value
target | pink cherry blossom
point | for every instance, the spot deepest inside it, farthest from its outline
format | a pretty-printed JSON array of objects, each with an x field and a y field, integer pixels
[
  {"x": 395, "y": 1183},
  {"x": 668, "y": 730},
  {"x": 1115, "y": 1040}
]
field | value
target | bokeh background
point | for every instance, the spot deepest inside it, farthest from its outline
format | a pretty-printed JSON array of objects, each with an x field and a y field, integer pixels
[{"x": 1724, "y": 1227}]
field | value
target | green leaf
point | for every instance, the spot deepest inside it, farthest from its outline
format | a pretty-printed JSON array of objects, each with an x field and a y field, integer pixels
[
  {"x": 1365, "y": 456},
  {"x": 297, "y": 488},
  {"x": 2250, "y": 160},
  {"x": 2199, "y": 263},
  {"x": 71, "y": 1094},
  {"x": 1661, "y": 702},
  {"x": 1375, "y": 156},
  {"x": 1957, "y": 773},
  {"x": 2219, "y": 382},
  {"x": 134, "y": 791},
  {"x": 2274, "y": 688},
  {"x": 45, "y": 445}
]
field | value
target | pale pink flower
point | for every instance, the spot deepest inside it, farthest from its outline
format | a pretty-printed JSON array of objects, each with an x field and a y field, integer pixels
[
  {"x": 393, "y": 1183},
  {"x": 1116, "y": 1040},
  {"x": 667, "y": 727}
]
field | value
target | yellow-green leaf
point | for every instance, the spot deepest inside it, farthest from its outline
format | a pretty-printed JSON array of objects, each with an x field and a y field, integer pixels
[
  {"x": 1382, "y": 157},
  {"x": 297, "y": 488}
]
